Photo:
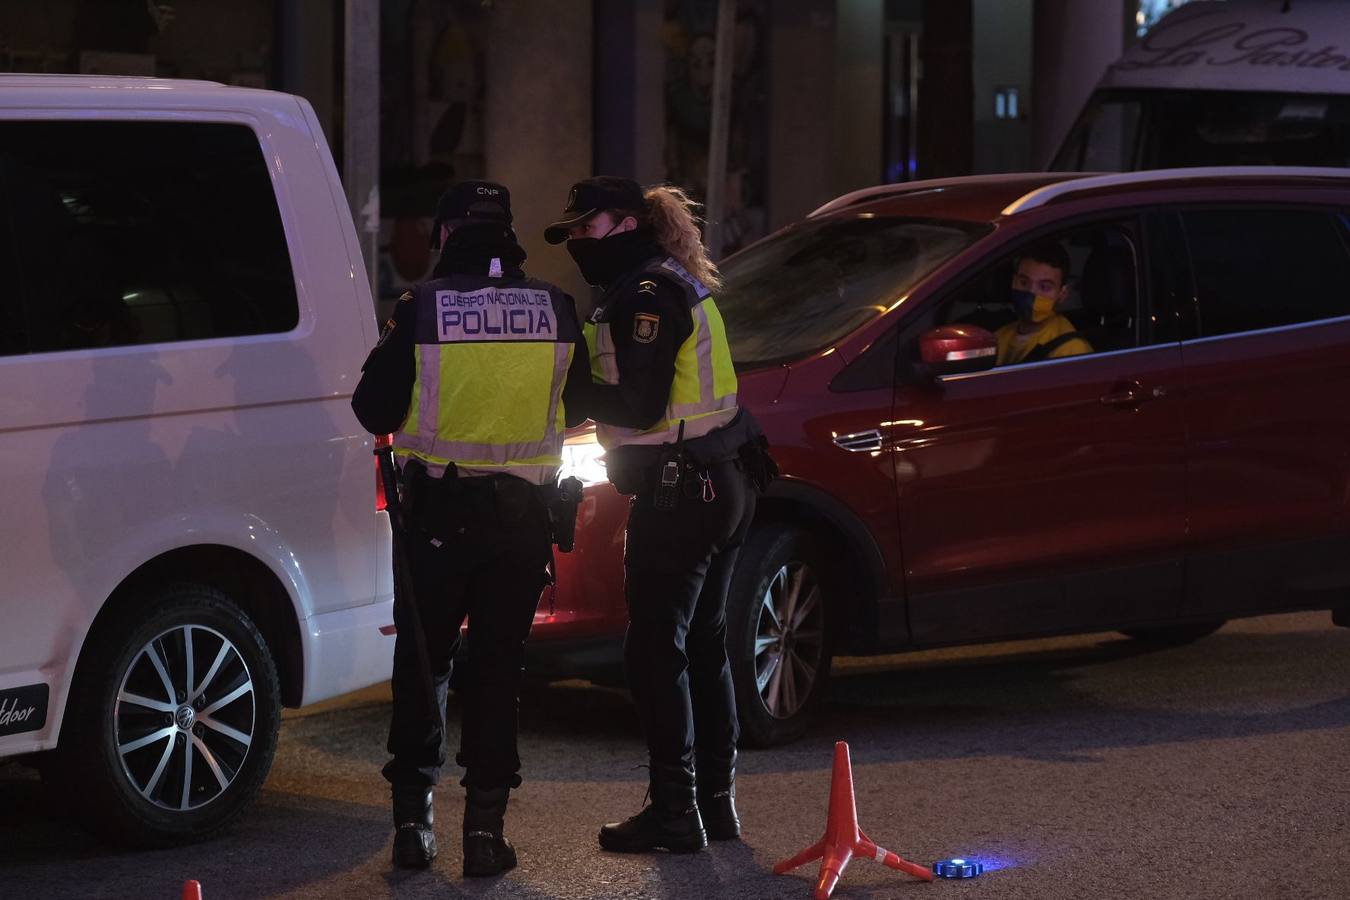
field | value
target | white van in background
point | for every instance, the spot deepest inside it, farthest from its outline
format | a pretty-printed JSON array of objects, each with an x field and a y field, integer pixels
[
  {"x": 190, "y": 536},
  {"x": 1223, "y": 83}
]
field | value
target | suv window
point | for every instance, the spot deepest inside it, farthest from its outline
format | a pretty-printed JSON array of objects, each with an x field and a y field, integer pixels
[
  {"x": 1097, "y": 308},
  {"x": 807, "y": 286},
  {"x": 138, "y": 232},
  {"x": 1261, "y": 268}
]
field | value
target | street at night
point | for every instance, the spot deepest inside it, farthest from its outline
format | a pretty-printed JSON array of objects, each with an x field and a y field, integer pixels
[
  {"x": 953, "y": 387},
  {"x": 1074, "y": 767}
]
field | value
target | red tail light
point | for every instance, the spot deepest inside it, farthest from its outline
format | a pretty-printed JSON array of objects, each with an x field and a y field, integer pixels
[{"x": 381, "y": 440}]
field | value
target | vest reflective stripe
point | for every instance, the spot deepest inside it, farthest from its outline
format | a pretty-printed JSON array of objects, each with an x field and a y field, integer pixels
[
  {"x": 703, "y": 393},
  {"x": 458, "y": 415},
  {"x": 717, "y": 380},
  {"x": 600, "y": 342}
]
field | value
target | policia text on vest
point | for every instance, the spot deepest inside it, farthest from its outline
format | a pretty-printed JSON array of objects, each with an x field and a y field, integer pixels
[
  {"x": 504, "y": 314},
  {"x": 491, "y": 364}
]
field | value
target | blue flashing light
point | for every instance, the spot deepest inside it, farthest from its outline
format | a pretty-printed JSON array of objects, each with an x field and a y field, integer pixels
[{"x": 957, "y": 868}]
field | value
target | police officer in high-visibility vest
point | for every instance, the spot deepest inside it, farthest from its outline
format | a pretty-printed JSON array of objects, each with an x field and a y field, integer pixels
[
  {"x": 476, "y": 375},
  {"x": 664, "y": 400}
]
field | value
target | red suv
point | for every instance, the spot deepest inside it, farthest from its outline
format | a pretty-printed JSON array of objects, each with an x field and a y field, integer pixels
[{"x": 1195, "y": 466}]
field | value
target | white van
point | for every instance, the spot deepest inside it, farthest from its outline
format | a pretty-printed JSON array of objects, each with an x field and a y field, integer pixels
[
  {"x": 1223, "y": 83},
  {"x": 190, "y": 537}
]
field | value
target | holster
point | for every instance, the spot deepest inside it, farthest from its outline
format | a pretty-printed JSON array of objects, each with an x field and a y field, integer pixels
[
  {"x": 629, "y": 478},
  {"x": 562, "y": 502},
  {"x": 438, "y": 507},
  {"x": 427, "y": 501},
  {"x": 634, "y": 468}
]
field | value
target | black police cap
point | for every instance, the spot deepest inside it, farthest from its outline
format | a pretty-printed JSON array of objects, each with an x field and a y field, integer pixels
[
  {"x": 474, "y": 201},
  {"x": 592, "y": 196},
  {"x": 471, "y": 203}
]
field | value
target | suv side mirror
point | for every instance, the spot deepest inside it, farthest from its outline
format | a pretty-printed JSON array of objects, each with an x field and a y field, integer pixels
[{"x": 957, "y": 349}]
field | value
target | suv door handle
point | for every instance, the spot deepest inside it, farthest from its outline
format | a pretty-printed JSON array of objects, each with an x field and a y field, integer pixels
[
  {"x": 1129, "y": 393},
  {"x": 859, "y": 442}
]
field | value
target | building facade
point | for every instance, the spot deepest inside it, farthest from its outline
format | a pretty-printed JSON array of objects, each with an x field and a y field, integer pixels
[{"x": 826, "y": 95}]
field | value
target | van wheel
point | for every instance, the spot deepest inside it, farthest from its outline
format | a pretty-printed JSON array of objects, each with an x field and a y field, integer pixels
[
  {"x": 776, "y": 635},
  {"x": 1174, "y": 635},
  {"x": 173, "y": 723}
]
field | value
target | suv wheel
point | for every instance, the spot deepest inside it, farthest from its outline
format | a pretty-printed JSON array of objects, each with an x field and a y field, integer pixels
[
  {"x": 776, "y": 635},
  {"x": 172, "y": 728}
]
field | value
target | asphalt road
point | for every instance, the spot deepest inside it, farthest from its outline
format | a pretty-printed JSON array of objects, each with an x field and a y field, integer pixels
[{"x": 1077, "y": 767}]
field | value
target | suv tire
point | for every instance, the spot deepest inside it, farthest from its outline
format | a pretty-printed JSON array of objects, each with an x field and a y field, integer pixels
[
  {"x": 172, "y": 722},
  {"x": 776, "y": 634}
]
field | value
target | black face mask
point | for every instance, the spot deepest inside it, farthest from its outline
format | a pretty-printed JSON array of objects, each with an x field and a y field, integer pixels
[{"x": 602, "y": 260}]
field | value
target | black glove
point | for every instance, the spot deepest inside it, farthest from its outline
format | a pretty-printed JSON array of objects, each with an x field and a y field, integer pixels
[{"x": 759, "y": 465}]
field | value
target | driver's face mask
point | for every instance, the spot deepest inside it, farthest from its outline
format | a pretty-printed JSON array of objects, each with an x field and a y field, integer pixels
[{"x": 1032, "y": 307}]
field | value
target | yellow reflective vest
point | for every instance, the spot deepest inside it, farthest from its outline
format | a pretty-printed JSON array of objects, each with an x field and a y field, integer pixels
[
  {"x": 491, "y": 360},
  {"x": 703, "y": 394}
]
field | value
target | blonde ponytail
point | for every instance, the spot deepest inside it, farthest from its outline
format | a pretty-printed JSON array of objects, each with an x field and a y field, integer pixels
[{"x": 671, "y": 213}]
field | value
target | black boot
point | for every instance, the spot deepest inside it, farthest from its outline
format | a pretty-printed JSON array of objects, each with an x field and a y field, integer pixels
[
  {"x": 486, "y": 851},
  {"x": 717, "y": 797},
  {"x": 414, "y": 839},
  {"x": 671, "y": 822}
]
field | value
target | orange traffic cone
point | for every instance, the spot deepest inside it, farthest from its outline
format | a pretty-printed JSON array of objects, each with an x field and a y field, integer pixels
[
  {"x": 192, "y": 890},
  {"x": 842, "y": 836}
]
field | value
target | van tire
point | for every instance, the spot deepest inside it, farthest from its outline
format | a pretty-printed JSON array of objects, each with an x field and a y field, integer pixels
[
  {"x": 1174, "y": 635},
  {"x": 137, "y": 795},
  {"x": 773, "y": 559}
]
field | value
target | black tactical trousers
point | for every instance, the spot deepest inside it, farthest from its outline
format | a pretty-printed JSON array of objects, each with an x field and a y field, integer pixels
[
  {"x": 476, "y": 548},
  {"x": 677, "y": 570}
]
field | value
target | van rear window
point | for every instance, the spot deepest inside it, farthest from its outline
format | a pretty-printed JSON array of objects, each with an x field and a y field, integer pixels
[{"x": 118, "y": 233}]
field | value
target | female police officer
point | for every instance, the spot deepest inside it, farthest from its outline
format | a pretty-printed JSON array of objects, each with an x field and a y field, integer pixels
[{"x": 664, "y": 400}]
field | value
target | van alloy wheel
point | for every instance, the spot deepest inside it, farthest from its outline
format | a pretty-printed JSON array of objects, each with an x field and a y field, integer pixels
[
  {"x": 184, "y": 717},
  {"x": 172, "y": 720},
  {"x": 790, "y": 639}
]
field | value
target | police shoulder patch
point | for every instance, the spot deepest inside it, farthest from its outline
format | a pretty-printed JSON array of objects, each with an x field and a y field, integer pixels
[
  {"x": 388, "y": 329},
  {"x": 405, "y": 297},
  {"x": 645, "y": 327}
]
